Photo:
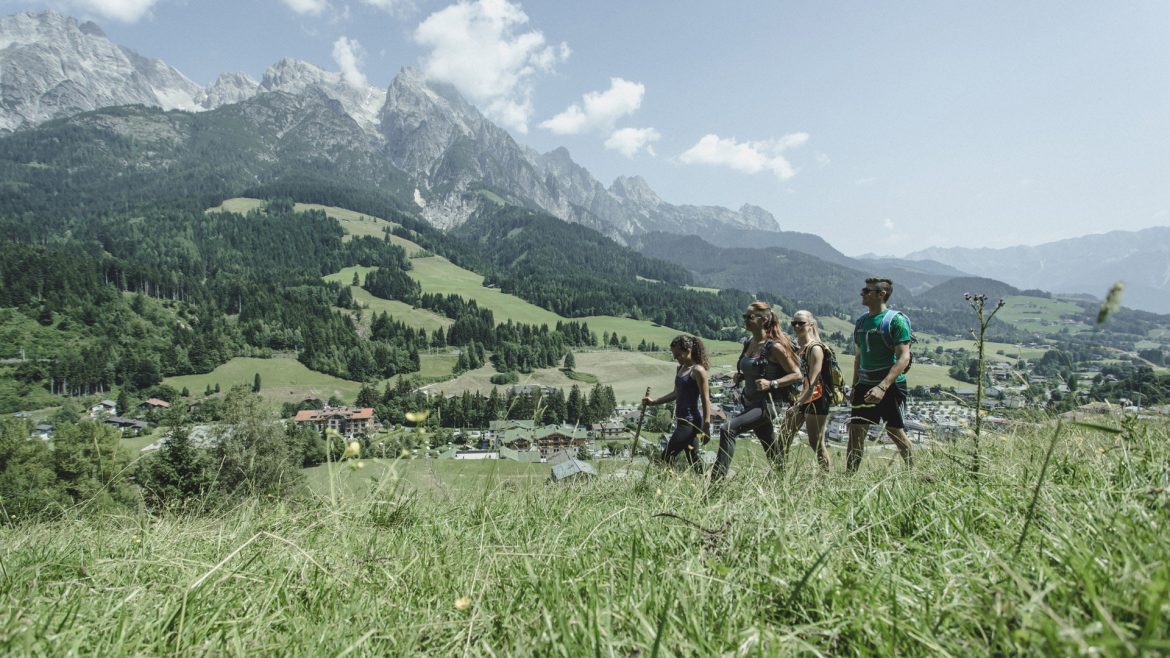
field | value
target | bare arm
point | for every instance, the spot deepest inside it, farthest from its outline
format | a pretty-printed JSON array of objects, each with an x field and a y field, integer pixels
[
  {"x": 700, "y": 375},
  {"x": 651, "y": 402},
  {"x": 783, "y": 357},
  {"x": 902, "y": 359},
  {"x": 815, "y": 358}
]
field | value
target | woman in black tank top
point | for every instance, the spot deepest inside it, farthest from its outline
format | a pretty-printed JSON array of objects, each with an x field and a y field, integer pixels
[
  {"x": 766, "y": 366},
  {"x": 692, "y": 401}
]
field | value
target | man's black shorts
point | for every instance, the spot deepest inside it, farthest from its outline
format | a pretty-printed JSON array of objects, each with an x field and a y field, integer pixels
[{"x": 891, "y": 409}]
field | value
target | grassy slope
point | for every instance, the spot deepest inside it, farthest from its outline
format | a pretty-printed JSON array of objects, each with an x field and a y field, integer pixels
[
  {"x": 489, "y": 560},
  {"x": 281, "y": 380}
]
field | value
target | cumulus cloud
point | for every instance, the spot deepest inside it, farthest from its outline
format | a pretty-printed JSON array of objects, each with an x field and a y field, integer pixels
[
  {"x": 481, "y": 48},
  {"x": 386, "y": 5},
  {"x": 127, "y": 11},
  {"x": 348, "y": 54},
  {"x": 748, "y": 157},
  {"x": 888, "y": 224},
  {"x": 628, "y": 141},
  {"x": 598, "y": 109},
  {"x": 311, "y": 7}
]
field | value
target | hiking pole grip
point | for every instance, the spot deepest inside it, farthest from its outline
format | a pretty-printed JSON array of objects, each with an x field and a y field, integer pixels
[{"x": 638, "y": 431}]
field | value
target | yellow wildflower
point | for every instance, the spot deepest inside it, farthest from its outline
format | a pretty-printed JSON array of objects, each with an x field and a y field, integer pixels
[{"x": 462, "y": 603}]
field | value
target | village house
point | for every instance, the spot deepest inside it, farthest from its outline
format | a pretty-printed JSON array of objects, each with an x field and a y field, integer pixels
[
  {"x": 347, "y": 421},
  {"x": 607, "y": 429},
  {"x": 103, "y": 408},
  {"x": 155, "y": 403},
  {"x": 547, "y": 439},
  {"x": 126, "y": 424}
]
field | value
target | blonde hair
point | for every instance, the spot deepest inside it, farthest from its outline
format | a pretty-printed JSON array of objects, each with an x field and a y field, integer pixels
[{"x": 814, "y": 328}]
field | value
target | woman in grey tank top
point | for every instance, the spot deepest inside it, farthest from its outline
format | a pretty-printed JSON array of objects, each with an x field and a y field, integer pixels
[{"x": 766, "y": 366}]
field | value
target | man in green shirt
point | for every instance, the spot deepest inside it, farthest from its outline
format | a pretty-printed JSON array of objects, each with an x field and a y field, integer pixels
[{"x": 879, "y": 382}]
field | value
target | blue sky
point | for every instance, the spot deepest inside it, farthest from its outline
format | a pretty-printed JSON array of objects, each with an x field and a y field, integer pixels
[{"x": 883, "y": 127}]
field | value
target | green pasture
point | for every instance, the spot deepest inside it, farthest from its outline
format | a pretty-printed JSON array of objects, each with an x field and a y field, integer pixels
[
  {"x": 1038, "y": 315},
  {"x": 400, "y": 311},
  {"x": 282, "y": 379},
  {"x": 438, "y": 275}
]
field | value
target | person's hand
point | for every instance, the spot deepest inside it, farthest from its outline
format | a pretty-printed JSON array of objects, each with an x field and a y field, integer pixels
[
  {"x": 875, "y": 394},
  {"x": 763, "y": 384},
  {"x": 647, "y": 401}
]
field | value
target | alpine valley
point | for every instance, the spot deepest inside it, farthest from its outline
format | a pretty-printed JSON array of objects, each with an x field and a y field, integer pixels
[{"x": 113, "y": 273}]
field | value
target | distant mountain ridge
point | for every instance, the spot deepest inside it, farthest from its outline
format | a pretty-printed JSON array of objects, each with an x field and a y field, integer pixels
[{"x": 1088, "y": 264}]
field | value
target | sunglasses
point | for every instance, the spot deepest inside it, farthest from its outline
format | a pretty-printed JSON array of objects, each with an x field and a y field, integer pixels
[
  {"x": 748, "y": 316},
  {"x": 866, "y": 291},
  {"x": 797, "y": 323}
]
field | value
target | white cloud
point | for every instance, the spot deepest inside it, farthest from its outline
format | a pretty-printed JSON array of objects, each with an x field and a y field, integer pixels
[
  {"x": 601, "y": 108},
  {"x": 748, "y": 157},
  {"x": 127, "y": 11},
  {"x": 311, "y": 7},
  {"x": 348, "y": 55},
  {"x": 888, "y": 224},
  {"x": 628, "y": 141},
  {"x": 823, "y": 159},
  {"x": 478, "y": 47},
  {"x": 391, "y": 6}
]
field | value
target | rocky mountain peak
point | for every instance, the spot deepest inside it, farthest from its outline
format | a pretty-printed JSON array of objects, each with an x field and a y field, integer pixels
[
  {"x": 294, "y": 76},
  {"x": 92, "y": 29},
  {"x": 636, "y": 190},
  {"x": 757, "y": 217},
  {"x": 55, "y": 66},
  {"x": 227, "y": 89}
]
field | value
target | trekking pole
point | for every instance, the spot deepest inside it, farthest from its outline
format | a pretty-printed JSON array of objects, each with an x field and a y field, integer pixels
[{"x": 638, "y": 432}]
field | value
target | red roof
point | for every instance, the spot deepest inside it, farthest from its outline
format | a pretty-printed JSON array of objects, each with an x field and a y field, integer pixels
[
  {"x": 308, "y": 415},
  {"x": 155, "y": 402}
]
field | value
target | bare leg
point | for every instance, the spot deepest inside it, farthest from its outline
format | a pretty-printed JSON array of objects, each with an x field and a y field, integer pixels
[
  {"x": 898, "y": 436},
  {"x": 856, "y": 447},
  {"x": 815, "y": 426}
]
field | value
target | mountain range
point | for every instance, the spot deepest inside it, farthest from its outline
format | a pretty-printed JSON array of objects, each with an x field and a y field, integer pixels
[
  {"x": 1088, "y": 264},
  {"x": 429, "y": 152}
]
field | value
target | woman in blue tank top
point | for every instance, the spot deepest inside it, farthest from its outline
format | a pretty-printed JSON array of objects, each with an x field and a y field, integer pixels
[{"x": 692, "y": 401}]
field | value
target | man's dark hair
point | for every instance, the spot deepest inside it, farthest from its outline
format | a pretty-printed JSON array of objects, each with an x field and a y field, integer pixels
[{"x": 884, "y": 285}]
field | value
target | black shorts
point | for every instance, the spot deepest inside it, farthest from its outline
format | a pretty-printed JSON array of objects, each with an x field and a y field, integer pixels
[
  {"x": 892, "y": 408},
  {"x": 818, "y": 407}
]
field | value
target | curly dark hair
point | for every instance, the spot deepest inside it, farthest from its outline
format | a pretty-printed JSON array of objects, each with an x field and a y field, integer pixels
[{"x": 694, "y": 346}]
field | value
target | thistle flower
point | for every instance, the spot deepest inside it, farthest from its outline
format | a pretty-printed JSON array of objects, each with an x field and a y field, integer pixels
[
  {"x": 1112, "y": 302},
  {"x": 463, "y": 603},
  {"x": 354, "y": 449}
]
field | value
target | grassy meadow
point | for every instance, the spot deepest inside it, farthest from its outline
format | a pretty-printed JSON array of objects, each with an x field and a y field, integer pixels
[
  {"x": 1068, "y": 556},
  {"x": 282, "y": 379}
]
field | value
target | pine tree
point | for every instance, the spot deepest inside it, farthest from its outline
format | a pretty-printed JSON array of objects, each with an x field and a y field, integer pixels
[
  {"x": 570, "y": 362},
  {"x": 256, "y": 383}
]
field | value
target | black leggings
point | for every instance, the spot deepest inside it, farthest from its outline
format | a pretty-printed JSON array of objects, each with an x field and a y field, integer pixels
[
  {"x": 685, "y": 440},
  {"x": 756, "y": 419}
]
